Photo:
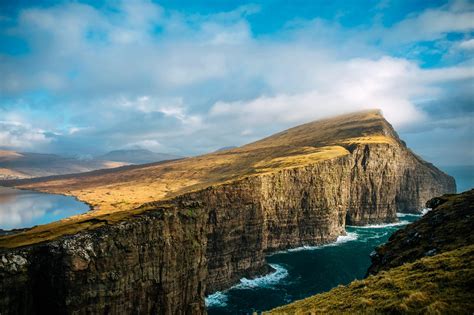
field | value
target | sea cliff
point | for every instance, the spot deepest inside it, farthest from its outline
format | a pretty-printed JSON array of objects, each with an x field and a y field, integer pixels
[{"x": 299, "y": 187}]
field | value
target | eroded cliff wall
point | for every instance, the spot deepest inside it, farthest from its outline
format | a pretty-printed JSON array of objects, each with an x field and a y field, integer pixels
[
  {"x": 152, "y": 264},
  {"x": 163, "y": 261}
]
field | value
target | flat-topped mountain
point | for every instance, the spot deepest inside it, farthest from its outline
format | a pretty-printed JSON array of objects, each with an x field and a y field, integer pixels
[
  {"x": 329, "y": 139},
  {"x": 162, "y": 235},
  {"x": 18, "y": 165}
]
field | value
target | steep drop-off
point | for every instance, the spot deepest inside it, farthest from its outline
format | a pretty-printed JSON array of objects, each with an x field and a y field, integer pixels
[
  {"x": 425, "y": 268},
  {"x": 162, "y": 235}
]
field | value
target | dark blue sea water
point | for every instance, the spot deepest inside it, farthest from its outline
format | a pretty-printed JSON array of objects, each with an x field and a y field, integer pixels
[
  {"x": 463, "y": 174},
  {"x": 23, "y": 208},
  {"x": 305, "y": 271}
]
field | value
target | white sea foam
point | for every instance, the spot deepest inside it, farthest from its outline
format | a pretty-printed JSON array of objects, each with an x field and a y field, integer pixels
[
  {"x": 381, "y": 226},
  {"x": 350, "y": 236},
  {"x": 425, "y": 211},
  {"x": 265, "y": 281},
  {"x": 403, "y": 215},
  {"x": 218, "y": 299}
]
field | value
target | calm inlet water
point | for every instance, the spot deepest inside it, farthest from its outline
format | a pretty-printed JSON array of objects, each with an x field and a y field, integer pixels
[
  {"x": 306, "y": 271},
  {"x": 23, "y": 208}
]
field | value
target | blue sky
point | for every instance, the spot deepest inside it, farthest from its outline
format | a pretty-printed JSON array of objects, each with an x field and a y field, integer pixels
[{"x": 188, "y": 77}]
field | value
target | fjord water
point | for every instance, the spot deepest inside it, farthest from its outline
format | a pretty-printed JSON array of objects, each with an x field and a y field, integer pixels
[
  {"x": 23, "y": 208},
  {"x": 303, "y": 272}
]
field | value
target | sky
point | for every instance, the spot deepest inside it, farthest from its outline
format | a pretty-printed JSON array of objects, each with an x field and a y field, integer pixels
[{"x": 189, "y": 77}]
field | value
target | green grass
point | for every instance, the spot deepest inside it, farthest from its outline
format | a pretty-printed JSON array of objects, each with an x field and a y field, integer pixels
[
  {"x": 441, "y": 284},
  {"x": 447, "y": 227}
]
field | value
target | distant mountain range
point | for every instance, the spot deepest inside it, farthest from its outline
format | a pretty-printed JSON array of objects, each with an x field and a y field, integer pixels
[
  {"x": 18, "y": 165},
  {"x": 137, "y": 156}
]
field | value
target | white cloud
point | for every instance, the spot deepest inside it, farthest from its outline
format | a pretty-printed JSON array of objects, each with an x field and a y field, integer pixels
[
  {"x": 144, "y": 75},
  {"x": 458, "y": 16},
  {"x": 467, "y": 44},
  {"x": 149, "y": 144},
  {"x": 16, "y": 135}
]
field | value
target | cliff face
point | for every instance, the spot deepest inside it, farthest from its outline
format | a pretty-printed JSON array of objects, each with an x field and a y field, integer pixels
[
  {"x": 389, "y": 178},
  {"x": 164, "y": 259},
  {"x": 153, "y": 264}
]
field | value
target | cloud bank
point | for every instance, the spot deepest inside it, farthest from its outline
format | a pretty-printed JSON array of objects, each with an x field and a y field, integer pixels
[{"x": 134, "y": 73}]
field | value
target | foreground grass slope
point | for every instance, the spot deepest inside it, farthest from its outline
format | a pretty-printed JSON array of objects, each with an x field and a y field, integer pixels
[
  {"x": 425, "y": 268},
  {"x": 442, "y": 284},
  {"x": 448, "y": 226}
]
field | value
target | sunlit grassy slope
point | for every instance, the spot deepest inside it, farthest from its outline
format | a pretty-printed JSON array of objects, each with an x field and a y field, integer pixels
[
  {"x": 112, "y": 192},
  {"x": 442, "y": 284}
]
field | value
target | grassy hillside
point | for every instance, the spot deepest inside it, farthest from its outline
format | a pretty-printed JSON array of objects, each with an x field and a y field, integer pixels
[
  {"x": 309, "y": 143},
  {"x": 119, "y": 193},
  {"x": 425, "y": 268},
  {"x": 448, "y": 226}
]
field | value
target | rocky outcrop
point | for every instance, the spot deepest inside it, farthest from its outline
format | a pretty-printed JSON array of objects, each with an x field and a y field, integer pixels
[
  {"x": 165, "y": 259},
  {"x": 447, "y": 226}
]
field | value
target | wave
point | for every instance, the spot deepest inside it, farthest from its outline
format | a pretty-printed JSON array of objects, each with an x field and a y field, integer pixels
[
  {"x": 377, "y": 235},
  {"x": 350, "y": 236},
  {"x": 266, "y": 281},
  {"x": 422, "y": 213},
  {"x": 381, "y": 226},
  {"x": 218, "y": 299},
  {"x": 402, "y": 215},
  {"x": 425, "y": 211}
]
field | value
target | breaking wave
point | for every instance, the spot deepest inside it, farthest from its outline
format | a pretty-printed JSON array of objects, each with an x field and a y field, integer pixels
[
  {"x": 425, "y": 211},
  {"x": 265, "y": 281},
  {"x": 218, "y": 299},
  {"x": 350, "y": 236},
  {"x": 381, "y": 226},
  {"x": 403, "y": 215}
]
